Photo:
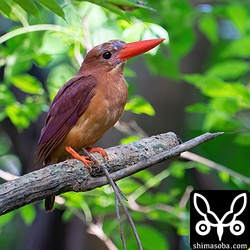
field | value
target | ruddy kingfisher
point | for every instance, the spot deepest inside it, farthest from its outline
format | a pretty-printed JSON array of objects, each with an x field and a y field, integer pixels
[{"x": 88, "y": 104}]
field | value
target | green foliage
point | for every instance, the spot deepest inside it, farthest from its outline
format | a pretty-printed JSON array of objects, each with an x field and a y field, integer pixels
[
  {"x": 139, "y": 105},
  {"x": 53, "y": 35}
]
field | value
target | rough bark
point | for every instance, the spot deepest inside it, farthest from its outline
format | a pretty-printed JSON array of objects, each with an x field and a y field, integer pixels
[{"x": 71, "y": 175}]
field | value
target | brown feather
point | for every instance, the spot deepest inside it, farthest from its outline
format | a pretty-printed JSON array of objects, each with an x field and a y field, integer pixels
[{"x": 68, "y": 105}]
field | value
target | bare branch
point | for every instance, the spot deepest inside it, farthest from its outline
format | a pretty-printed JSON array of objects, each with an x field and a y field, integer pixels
[
  {"x": 71, "y": 175},
  {"x": 197, "y": 158}
]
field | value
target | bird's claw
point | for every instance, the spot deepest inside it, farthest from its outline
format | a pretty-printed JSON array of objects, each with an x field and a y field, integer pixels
[
  {"x": 89, "y": 159},
  {"x": 101, "y": 151},
  {"x": 84, "y": 159}
]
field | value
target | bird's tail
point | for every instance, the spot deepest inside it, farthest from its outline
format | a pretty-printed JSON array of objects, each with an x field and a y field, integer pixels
[{"x": 49, "y": 203}]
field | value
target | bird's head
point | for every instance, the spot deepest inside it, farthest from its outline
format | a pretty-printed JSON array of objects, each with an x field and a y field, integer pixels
[{"x": 114, "y": 53}]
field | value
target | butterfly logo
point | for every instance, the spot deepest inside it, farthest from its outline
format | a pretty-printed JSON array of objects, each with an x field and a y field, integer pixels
[{"x": 210, "y": 219}]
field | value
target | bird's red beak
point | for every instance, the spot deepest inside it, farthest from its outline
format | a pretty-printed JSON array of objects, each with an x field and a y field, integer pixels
[{"x": 137, "y": 48}]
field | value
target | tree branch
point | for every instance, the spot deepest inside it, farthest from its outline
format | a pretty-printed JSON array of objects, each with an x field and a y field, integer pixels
[{"x": 71, "y": 175}]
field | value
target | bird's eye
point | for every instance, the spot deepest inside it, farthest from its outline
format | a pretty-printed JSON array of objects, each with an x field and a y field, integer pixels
[{"x": 106, "y": 55}]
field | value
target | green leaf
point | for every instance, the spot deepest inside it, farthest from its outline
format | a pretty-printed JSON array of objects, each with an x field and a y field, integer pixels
[
  {"x": 225, "y": 177},
  {"x": 129, "y": 186},
  {"x": 21, "y": 114},
  {"x": 5, "y": 147},
  {"x": 139, "y": 105},
  {"x": 144, "y": 175},
  {"x": 208, "y": 25},
  {"x": 177, "y": 169},
  {"x": 43, "y": 59},
  {"x": 238, "y": 48},
  {"x": 212, "y": 86},
  {"x": 6, "y": 218},
  {"x": 129, "y": 139},
  {"x": 183, "y": 41},
  {"x": 6, "y": 96},
  {"x": 156, "y": 238},
  {"x": 134, "y": 31},
  {"x": 226, "y": 105},
  {"x": 128, "y": 5},
  {"x": 243, "y": 139},
  {"x": 115, "y": 5},
  {"x": 202, "y": 168},
  {"x": 33, "y": 106},
  {"x": 29, "y": 6},
  {"x": 129, "y": 72},
  {"x": 230, "y": 69},
  {"x": 220, "y": 122},
  {"x": 17, "y": 115},
  {"x": 27, "y": 83},
  {"x": 109, "y": 6},
  {"x": 53, "y": 6},
  {"x": 67, "y": 215},
  {"x": 28, "y": 214},
  {"x": 5, "y": 8},
  {"x": 197, "y": 107},
  {"x": 239, "y": 16}
]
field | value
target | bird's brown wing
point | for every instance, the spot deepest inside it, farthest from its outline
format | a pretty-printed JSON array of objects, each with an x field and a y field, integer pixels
[{"x": 69, "y": 104}]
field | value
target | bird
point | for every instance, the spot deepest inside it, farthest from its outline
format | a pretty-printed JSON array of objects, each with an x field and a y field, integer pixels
[{"x": 88, "y": 104}]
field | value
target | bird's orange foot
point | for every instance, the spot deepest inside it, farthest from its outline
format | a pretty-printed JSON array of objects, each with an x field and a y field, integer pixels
[
  {"x": 84, "y": 159},
  {"x": 101, "y": 151}
]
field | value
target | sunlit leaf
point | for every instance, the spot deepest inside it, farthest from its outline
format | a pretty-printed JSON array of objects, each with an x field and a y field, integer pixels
[
  {"x": 5, "y": 8},
  {"x": 67, "y": 215},
  {"x": 226, "y": 105},
  {"x": 139, "y": 105},
  {"x": 239, "y": 16},
  {"x": 21, "y": 114},
  {"x": 238, "y": 48},
  {"x": 144, "y": 175},
  {"x": 220, "y": 121},
  {"x": 177, "y": 169},
  {"x": 215, "y": 87},
  {"x": 204, "y": 169},
  {"x": 128, "y": 185},
  {"x": 17, "y": 115},
  {"x": 208, "y": 25},
  {"x": 27, "y": 83},
  {"x": 160, "y": 197},
  {"x": 129, "y": 139},
  {"x": 198, "y": 107},
  {"x": 43, "y": 59},
  {"x": 134, "y": 31},
  {"x": 230, "y": 69},
  {"x": 225, "y": 177}
]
